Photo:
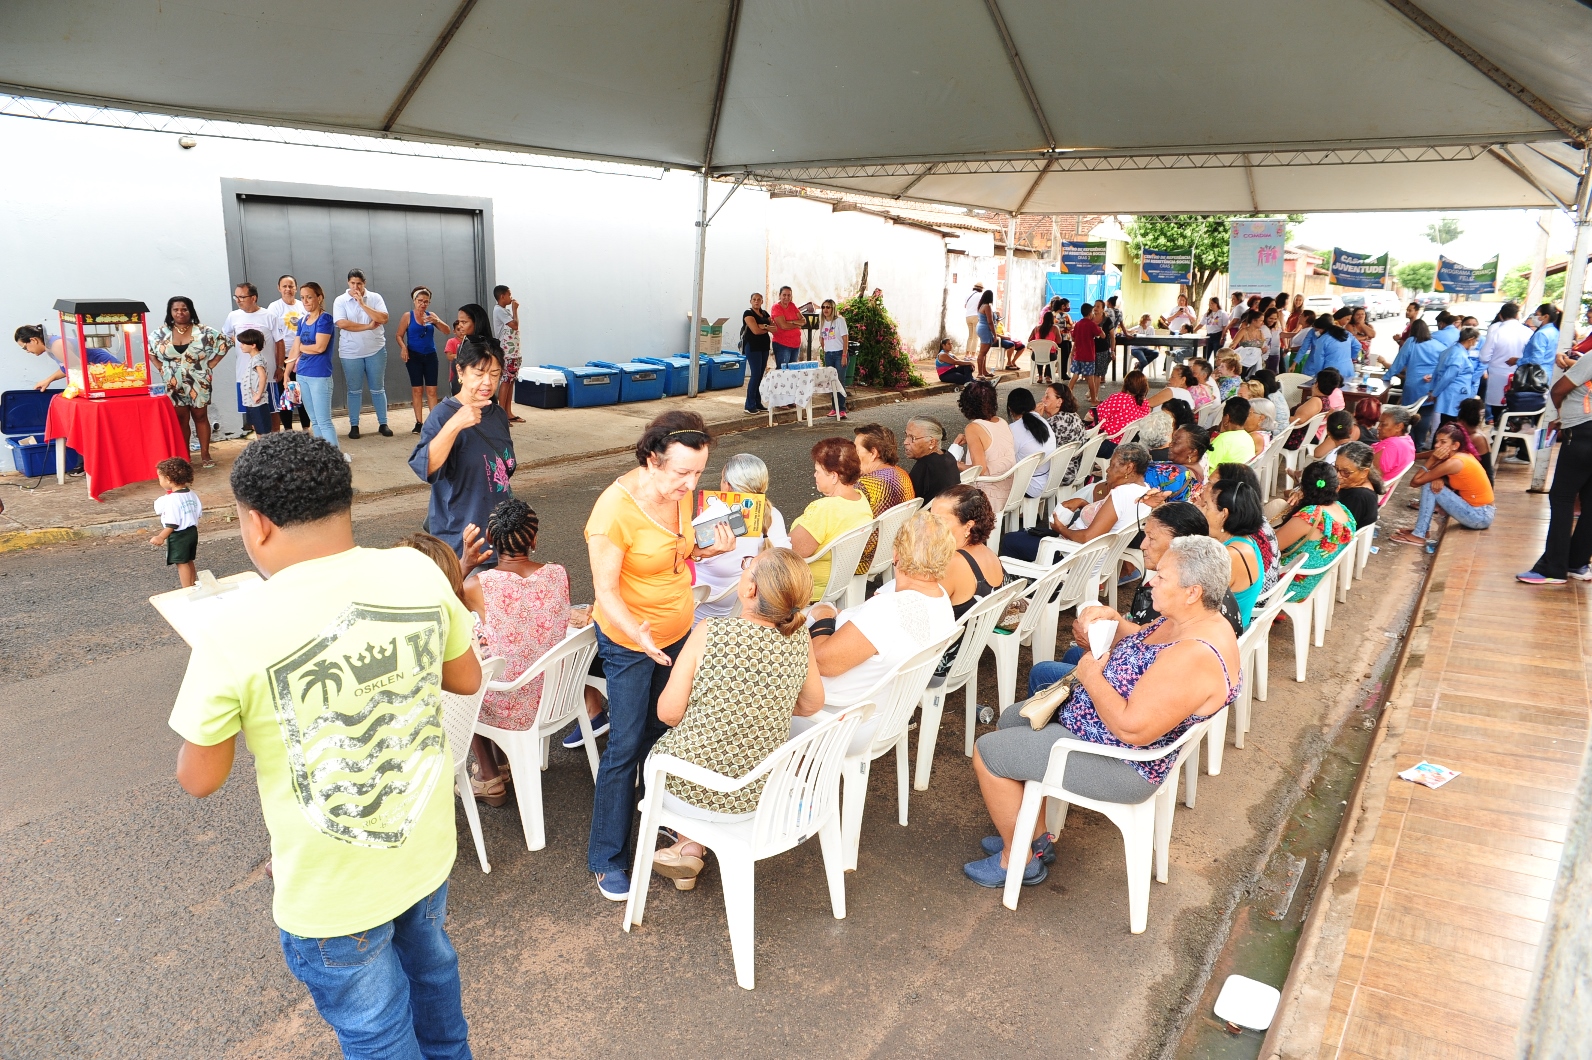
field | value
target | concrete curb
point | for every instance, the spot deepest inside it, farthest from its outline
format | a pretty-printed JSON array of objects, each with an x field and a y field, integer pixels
[{"x": 38, "y": 537}]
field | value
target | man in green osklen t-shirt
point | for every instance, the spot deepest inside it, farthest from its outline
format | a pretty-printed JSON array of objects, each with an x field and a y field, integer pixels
[{"x": 333, "y": 669}]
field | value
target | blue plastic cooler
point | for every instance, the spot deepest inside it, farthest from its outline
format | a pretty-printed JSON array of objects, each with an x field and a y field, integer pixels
[
  {"x": 677, "y": 382},
  {"x": 727, "y": 371},
  {"x": 638, "y": 380},
  {"x": 589, "y": 386}
]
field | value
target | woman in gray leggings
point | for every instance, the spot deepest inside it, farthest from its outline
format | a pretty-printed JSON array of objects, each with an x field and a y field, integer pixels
[{"x": 1158, "y": 680}]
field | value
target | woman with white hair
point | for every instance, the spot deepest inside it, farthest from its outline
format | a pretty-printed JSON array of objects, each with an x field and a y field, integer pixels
[
  {"x": 743, "y": 473},
  {"x": 1157, "y": 681}
]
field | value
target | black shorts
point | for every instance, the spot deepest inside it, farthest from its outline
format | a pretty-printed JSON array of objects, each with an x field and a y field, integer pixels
[
  {"x": 182, "y": 546},
  {"x": 422, "y": 369}
]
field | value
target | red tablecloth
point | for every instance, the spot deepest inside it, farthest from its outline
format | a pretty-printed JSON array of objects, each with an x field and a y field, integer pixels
[{"x": 121, "y": 439}]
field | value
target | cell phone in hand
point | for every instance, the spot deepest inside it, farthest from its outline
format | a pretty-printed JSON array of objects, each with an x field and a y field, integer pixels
[{"x": 704, "y": 531}]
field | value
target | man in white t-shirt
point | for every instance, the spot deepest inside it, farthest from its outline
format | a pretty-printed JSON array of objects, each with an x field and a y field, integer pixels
[
  {"x": 250, "y": 314},
  {"x": 289, "y": 311},
  {"x": 972, "y": 318},
  {"x": 360, "y": 317}
]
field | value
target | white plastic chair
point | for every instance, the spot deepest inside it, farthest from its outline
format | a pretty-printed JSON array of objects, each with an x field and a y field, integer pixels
[
  {"x": 889, "y": 523},
  {"x": 888, "y": 707},
  {"x": 1146, "y": 827},
  {"x": 1106, "y": 574},
  {"x": 1525, "y": 428},
  {"x": 1296, "y": 460},
  {"x": 1313, "y": 611},
  {"x": 1036, "y": 508},
  {"x": 700, "y": 594},
  {"x": 800, "y": 799},
  {"x": 1262, "y": 643},
  {"x": 1288, "y": 383},
  {"x": 563, "y": 672},
  {"x": 1088, "y": 454},
  {"x": 710, "y": 597},
  {"x": 975, "y": 626},
  {"x": 969, "y": 475},
  {"x": 458, "y": 722},
  {"x": 1064, "y": 584},
  {"x": 1264, "y": 464},
  {"x": 1041, "y": 354},
  {"x": 1209, "y": 414},
  {"x": 1018, "y": 475},
  {"x": 845, "y": 553}
]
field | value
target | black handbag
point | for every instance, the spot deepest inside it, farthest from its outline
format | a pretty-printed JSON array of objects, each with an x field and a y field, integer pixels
[{"x": 1529, "y": 379}]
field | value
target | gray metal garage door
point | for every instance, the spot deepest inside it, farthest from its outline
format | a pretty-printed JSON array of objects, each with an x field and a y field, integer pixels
[{"x": 396, "y": 247}]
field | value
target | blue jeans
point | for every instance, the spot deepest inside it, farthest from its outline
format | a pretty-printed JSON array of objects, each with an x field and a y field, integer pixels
[
  {"x": 784, "y": 355},
  {"x": 1425, "y": 427},
  {"x": 366, "y": 373},
  {"x": 756, "y": 366},
  {"x": 392, "y": 992},
  {"x": 1045, "y": 674},
  {"x": 634, "y": 684},
  {"x": 1471, "y": 517},
  {"x": 832, "y": 359},
  {"x": 316, "y": 390}
]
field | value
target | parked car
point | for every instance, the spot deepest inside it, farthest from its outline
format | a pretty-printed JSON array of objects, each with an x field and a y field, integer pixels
[
  {"x": 1323, "y": 303},
  {"x": 1435, "y": 300},
  {"x": 1381, "y": 304}
]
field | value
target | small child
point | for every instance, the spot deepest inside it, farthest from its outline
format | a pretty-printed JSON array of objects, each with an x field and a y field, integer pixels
[
  {"x": 179, "y": 512},
  {"x": 257, "y": 411}
]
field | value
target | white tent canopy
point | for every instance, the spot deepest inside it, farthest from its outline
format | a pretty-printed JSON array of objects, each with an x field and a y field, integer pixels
[{"x": 1037, "y": 106}]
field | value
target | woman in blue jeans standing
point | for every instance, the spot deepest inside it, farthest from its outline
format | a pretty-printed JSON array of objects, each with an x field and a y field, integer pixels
[
  {"x": 832, "y": 330},
  {"x": 639, "y": 537},
  {"x": 311, "y": 358}
]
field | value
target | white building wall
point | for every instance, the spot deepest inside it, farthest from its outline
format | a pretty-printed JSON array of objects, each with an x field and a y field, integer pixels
[{"x": 600, "y": 261}]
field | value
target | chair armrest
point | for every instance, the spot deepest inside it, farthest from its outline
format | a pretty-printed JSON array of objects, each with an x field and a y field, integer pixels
[{"x": 660, "y": 766}]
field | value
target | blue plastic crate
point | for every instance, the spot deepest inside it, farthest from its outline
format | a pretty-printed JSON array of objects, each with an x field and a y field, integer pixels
[
  {"x": 638, "y": 380},
  {"x": 589, "y": 386},
  {"x": 727, "y": 371},
  {"x": 678, "y": 381},
  {"x": 22, "y": 416}
]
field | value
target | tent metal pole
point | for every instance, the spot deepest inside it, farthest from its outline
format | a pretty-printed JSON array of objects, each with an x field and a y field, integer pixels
[
  {"x": 696, "y": 286},
  {"x": 1006, "y": 288}
]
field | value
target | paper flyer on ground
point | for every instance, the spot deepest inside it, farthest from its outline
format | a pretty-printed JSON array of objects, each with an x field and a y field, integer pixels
[{"x": 1433, "y": 776}]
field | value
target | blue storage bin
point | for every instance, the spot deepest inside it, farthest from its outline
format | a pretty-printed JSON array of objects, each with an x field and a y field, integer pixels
[
  {"x": 22, "y": 415},
  {"x": 678, "y": 381},
  {"x": 638, "y": 380},
  {"x": 589, "y": 386},
  {"x": 727, "y": 371}
]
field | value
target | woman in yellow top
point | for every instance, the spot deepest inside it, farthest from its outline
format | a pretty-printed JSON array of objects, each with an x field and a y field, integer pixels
[
  {"x": 1453, "y": 480},
  {"x": 842, "y": 507},
  {"x": 639, "y": 538}
]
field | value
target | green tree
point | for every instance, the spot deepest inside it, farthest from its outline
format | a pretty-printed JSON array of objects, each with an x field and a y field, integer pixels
[
  {"x": 1416, "y": 275},
  {"x": 1513, "y": 286},
  {"x": 1444, "y": 231},
  {"x": 1207, "y": 235}
]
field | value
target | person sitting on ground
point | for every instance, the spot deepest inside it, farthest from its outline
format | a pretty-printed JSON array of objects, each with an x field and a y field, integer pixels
[
  {"x": 842, "y": 508},
  {"x": 1453, "y": 480},
  {"x": 524, "y": 611},
  {"x": 743, "y": 473},
  {"x": 1270, "y": 550},
  {"x": 882, "y": 480},
  {"x": 988, "y": 440},
  {"x": 1233, "y": 510},
  {"x": 1030, "y": 435},
  {"x": 1315, "y": 526},
  {"x": 1359, "y": 485},
  {"x": 957, "y": 371},
  {"x": 1231, "y": 442},
  {"x": 1116, "y": 413},
  {"x": 933, "y": 471},
  {"x": 1179, "y": 383},
  {"x": 1229, "y": 373},
  {"x": 1470, "y": 415},
  {"x": 1176, "y": 478},
  {"x": 1104, "y": 508},
  {"x": 1394, "y": 448},
  {"x": 714, "y": 723},
  {"x": 858, "y": 646},
  {"x": 1158, "y": 680}
]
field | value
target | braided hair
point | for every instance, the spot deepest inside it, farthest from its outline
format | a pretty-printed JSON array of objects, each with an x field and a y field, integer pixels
[{"x": 512, "y": 528}]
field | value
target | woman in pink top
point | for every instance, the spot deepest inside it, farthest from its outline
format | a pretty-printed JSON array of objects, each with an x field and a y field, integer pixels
[
  {"x": 988, "y": 439},
  {"x": 524, "y": 611},
  {"x": 1394, "y": 448}
]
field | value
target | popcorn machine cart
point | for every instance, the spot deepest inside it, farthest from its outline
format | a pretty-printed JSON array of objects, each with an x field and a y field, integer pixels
[{"x": 105, "y": 344}]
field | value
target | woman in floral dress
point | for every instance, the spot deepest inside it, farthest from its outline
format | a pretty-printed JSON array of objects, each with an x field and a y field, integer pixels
[
  {"x": 187, "y": 352},
  {"x": 1316, "y": 526}
]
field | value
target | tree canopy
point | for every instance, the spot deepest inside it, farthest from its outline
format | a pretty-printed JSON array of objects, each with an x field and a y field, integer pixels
[
  {"x": 1444, "y": 231},
  {"x": 1206, "y": 234},
  {"x": 1514, "y": 285},
  {"x": 1416, "y": 275}
]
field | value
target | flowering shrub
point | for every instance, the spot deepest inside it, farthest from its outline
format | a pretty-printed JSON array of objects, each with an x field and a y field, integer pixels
[{"x": 881, "y": 362}]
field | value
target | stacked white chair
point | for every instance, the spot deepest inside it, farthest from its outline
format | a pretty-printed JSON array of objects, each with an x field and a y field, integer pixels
[
  {"x": 1018, "y": 476},
  {"x": 888, "y": 707},
  {"x": 845, "y": 554},
  {"x": 975, "y": 627},
  {"x": 800, "y": 799},
  {"x": 563, "y": 673},
  {"x": 1146, "y": 827},
  {"x": 1067, "y": 584},
  {"x": 459, "y": 714},
  {"x": 889, "y": 523}
]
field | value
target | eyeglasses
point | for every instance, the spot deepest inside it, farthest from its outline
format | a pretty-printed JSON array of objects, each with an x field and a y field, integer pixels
[{"x": 747, "y": 561}]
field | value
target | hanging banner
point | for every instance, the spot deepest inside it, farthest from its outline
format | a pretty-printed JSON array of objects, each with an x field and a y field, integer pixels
[
  {"x": 1349, "y": 269},
  {"x": 1461, "y": 279},
  {"x": 1165, "y": 266},
  {"x": 1254, "y": 255},
  {"x": 1084, "y": 259}
]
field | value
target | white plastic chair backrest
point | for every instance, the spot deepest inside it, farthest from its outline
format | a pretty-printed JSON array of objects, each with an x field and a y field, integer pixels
[
  {"x": 1086, "y": 458},
  {"x": 845, "y": 553},
  {"x": 1280, "y": 586},
  {"x": 1042, "y": 351},
  {"x": 976, "y": 626},
  {"x": 1389, "y": 487},
  {"x": 898, "y": 694},
  {"x": 563, "y": 670},
  {"x": 1060, "y": 461},
  {"x": 1039, "y": 594},
  {"x": 1130, "y": 433},
  {"x": 700, "y": 594},
  {"x": 802, "y": 789},
  {"x": 1302, "y": 455},
  {"x": 1113, "y": 557},
  {"x": 1415, "y": 406},
  {"x": 1209, "y": 415},
  {"x": 1520, "y": 423},
  {"x": 1056, "y": 770},
  {"x": 971, "y": 473},
  {"x": 1079, "y": 570},
  {"x": 1289, "y": 383},
  {"x": 1018, "y": 475},
  {"x": 889, "y": 523},
  {"x": 1260, "y": 620},
  {"x": 459, "y": 713}
]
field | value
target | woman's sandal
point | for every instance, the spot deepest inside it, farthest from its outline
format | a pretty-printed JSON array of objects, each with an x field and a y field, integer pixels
[
  {"x": 493, "y": 792},
  {"x": 516, "y": 419},
  {"x": 1404, "y": 537},
  {"x": 683, "y": 869}
]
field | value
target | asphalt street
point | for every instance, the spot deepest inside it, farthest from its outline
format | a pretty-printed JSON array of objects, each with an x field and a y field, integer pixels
[{"x": 136, "y": 920}]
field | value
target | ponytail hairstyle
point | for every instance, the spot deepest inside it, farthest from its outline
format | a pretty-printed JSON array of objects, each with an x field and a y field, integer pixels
[
  {"x": 1241, "y": 501},
  {"x": 972, "y": 509},
  {"x": 1318, "y": 485},
  {"x": 1181, "y": 411},
  {"x": 1020, "y": 402},
  {"x": 1327, "y": 325},
  {"x": 1339, "y": 424},
  {"x": 1549, "y": 313},
  {"x": 1199, "y": 439},
  {"x": 1328, "y": 380},
  {"x": 512, "y": 527},
  {"x": 784, "y": 587},
  {"x": 28, "y": 332},
  {"x": 1136, "y": 384}
]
